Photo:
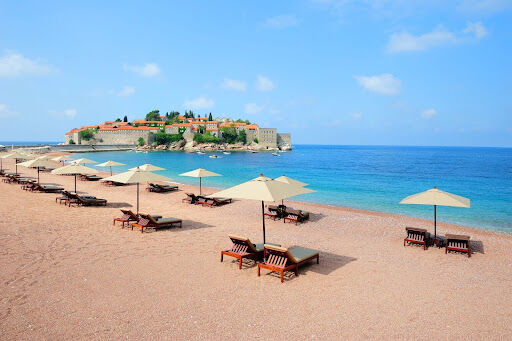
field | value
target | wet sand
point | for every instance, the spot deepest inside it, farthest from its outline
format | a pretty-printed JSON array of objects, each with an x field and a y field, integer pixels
[{"x": 68, "y": 273}]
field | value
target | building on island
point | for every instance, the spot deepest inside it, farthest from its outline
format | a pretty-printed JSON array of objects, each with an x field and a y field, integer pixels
[{"x": 115, "y": 133}]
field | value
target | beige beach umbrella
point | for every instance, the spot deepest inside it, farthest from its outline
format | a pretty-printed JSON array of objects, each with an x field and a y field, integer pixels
[
  {"x": 137, "y": 176},
  {"x": 74, "y": 169},
  {"x": 83, "y": 160},
  {"x": 262, "y": 189},
  {"x": 436, "y": 197},
  {"x": 17, "y": 155},
  {"x": 200, "y": 173},
  {"x": 285, "y": 179},
  {"x": 110, "y": 164},
  {"x": 62, "y": 158},
  {"x": 37, "y": 163},
  {"x": 148, "y": 168}
]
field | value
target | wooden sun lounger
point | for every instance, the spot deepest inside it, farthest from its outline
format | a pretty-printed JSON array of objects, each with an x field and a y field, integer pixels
[
  {"x": 243, "y": 248},
  {"x": 112, "y": 183},
  {"x": 128, "y": 216},
  {"x": 46, "y": 188},
  {"x": 296, "y": 216},
  {"x": 147, "y": 221},
  {"x": 456, "y": 242},
  {"x": 211, "y": 202},
  {"x": 85, "y": 200},
  {"x": 280, "y": 259},
  {"x": 190, "y": 198},
  {"x": 161, "y": 188},
  {"x": 417, "y": 236},
  {"x": 65, "y": 197},
  {"x": 91, "y": 177}
]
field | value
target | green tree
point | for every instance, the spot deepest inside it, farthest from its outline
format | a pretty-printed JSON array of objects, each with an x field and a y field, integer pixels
[
  {"x": 229, "y": 134},
  {"x": 210, "y": 117},
  {"x": 200, "y": 138},
  {"x": 242, "y": 137},
  {"x": 163, "y": 138},
  {"x": 71, "y": 141},
  {"x": 256, "y": 140},
  {"x": 141, "y": 141},
  {"x": 117, "y": 120},
  {"x": 125, "y": 119},
  {"x": 153, "y": 115},
  {"x": 87, "y": 134}
]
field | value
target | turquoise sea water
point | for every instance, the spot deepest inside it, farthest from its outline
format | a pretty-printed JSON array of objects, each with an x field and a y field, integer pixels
[{"x": 367, "y": 177}]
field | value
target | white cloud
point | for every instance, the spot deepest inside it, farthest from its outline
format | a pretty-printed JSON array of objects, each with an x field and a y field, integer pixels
[
  {"x": 233, "y": 84},
  {"x": 282, "y": 21},
  {"x": 428, "y": 113},
  {"x": 356, "y": 115},
  {"x": 126, "y": 91},
  {"x": 399, "y": 42},
  {"x": 252, "y": 109},
  {"x": 385, "y": 84},
  {"x": 402, "y": 42},
  {"x": 5, "y": 112},
  {"x": 200, "y": 102},
  {"x": 70, "y": 113},
  {"x": 146, "y": 70},
  {"x": 13, "y": 64},
  {"x": 487, "y": 6},
  {"x": 476, "y": 28},
  {"x": 264, "y": 84},
  {"x": 274, "y": 111}
]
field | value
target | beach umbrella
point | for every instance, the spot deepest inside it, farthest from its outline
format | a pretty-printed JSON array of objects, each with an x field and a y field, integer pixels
[
  {"x": 83, "y": 160},
  {"x": 110, "y": 164},
  {"x": 436, "y": 197},
  {"x": 200, "y": 173},
  {"x": 74, "y": 169},
  {"x": 136, "y": 176},
  {"x": 285, "y": 179},
  {"x": 62, "y": 158},
  {"x": 262, "y": 189},
  {"x": 37, "y": 163},
  {"x": 17, "y": 155},
  {"x": 147, "y": 167}
]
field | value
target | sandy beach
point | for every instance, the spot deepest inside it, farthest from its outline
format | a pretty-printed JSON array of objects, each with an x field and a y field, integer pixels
[{"x": 69, "y": 273}]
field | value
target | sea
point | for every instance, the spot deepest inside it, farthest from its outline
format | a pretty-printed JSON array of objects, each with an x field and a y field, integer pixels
[{"x": 364, "y": 177}]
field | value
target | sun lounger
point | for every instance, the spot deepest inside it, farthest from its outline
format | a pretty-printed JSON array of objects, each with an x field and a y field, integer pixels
[
  {"x": 417, "y": 236},
  {"x": 456, "y": 242},
  {"x": 296, "y": 216},
  {"x": 65, "y": 197},
  {"x": 91, "y": 177},
  {"x": 280, "y": 259},
  {"x": 190, "y": 198},
  {"x": 243, "y": 248},
  {"x": 47, "y": 188},
  {"x": 147, "y": 221},
  {"x": 276, "y": 212},
  {"x": 129, "y": 216},
  {"x": 112, "y": 183},
  {"x": 161, "y": 188},
  {"x": 85, "y": 200},
  {"x": 211, "y": 202}
]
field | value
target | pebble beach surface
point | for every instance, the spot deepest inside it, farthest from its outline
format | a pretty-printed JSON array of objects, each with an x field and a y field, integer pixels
[{"x": 68, "y": 273}]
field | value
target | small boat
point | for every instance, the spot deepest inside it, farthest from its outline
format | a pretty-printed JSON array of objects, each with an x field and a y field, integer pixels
[
  {"x": 254, "y": 151},
  {"x": 226, "y": 153},
  {"x": 213, "y": 156},
  {"x": 200, "y": 153},
  {"x": 276, "y": 154}
]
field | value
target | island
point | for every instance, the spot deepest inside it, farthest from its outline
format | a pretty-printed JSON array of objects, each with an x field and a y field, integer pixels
[{"x": 176, "y": 131}]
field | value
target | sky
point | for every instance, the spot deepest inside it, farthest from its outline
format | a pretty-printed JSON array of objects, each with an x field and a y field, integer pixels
[{"x": 373, "y": 72}]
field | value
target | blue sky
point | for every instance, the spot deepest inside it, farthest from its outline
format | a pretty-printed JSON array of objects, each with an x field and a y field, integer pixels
[{"x": 327, "y": 71}]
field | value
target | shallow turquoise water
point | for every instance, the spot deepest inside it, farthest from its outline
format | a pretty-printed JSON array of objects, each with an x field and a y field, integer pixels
[{"x": 366, "y": 177}]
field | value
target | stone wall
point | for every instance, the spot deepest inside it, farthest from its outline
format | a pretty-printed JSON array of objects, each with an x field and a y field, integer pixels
[
  {"x": 267, "y": 137},
  {"x": 113, "y": 137},
  {"x": 284, "y": 140}
]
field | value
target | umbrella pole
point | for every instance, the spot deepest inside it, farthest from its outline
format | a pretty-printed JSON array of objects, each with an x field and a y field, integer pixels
[
  {"x": 137, "y": 198},
  {"x": 200, "y": 192},
  {"x": 435, "y": 221},
  {"x": 263, "y": 219},
  {"x": 75, "y": 183},
  {"x": 110, "y": 170},
  {"x": 37, "y": 174}
]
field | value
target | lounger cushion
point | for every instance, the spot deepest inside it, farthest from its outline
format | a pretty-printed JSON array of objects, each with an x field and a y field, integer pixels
[
  {"x": 168, "y": 220},
  {"x": 296, "y": 254},
  {"x": 260, "y": 246}
]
